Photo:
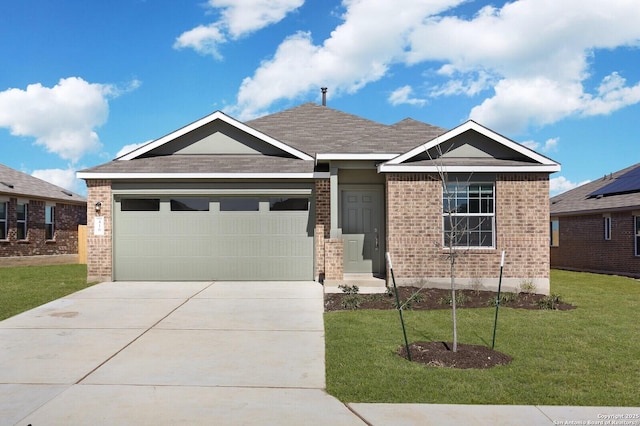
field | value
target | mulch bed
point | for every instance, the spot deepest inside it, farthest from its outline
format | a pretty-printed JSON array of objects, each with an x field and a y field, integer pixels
[
  {"x": 440, "y": 354},
  {"x": 437, "y": 298}
]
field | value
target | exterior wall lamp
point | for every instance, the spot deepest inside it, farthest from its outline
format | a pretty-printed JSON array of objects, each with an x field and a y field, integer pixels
[{"x": 98, "y": 206}]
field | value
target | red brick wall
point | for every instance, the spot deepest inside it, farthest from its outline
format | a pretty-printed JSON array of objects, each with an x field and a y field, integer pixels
[
  {"x": 414, "y": 229},
  {"x": 66, "y": 220},
  {"x": 99, "y": 263},
  {"x": 323, "y": 223},
  {"x": 582, "y": 245}
]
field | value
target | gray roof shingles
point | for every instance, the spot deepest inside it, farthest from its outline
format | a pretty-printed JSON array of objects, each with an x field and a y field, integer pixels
[
  {"x": 578, "y": 201},
  {"x": 17, "y": 184},
  {"x": 310, "y": 128}
]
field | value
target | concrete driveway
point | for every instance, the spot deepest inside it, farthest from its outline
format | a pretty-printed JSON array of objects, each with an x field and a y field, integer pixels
[
  {"x": 158, "y": 353},
  {"x": 170, "y": 353}
]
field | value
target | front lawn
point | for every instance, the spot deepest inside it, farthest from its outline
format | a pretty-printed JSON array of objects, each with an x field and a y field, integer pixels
[
  {"x": 25, "y": 287},
  {"x": 586, "y": 356}
]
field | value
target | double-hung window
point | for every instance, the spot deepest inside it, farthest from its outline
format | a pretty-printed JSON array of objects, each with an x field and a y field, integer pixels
[
  {"x": 3, "y": 219},
  {"x": 49, "y": 222},
  {"x": 468, "y": 215},
  {"x": 21, "y": 226}
]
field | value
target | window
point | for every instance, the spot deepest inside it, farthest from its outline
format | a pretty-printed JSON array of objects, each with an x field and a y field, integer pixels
[
  {"x": 607, "y": 227},
  {"x": 238, "y": 204},
  {"x": 637, "y": 231},
  {"x": 189, "y": 204},
  {"x": 3, "y": 220},
  {"x": 554, "y": 233},
  {"x": 288, "y": 204},
  {"x": 140, "y": 205},
  {"x": 21, "y": 211},
  {"x": 468, "y": 215},
  {"x": 49, "y": 218}
]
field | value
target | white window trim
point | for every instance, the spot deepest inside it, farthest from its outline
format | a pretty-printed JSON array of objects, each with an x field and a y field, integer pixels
[
  {"x": 25, "y": 221},
  {"x": 607, "y": 227},
  {"x": 52, "y": 223},
  {"x": 445, "y": 216},
  {"x": 4, "y": 222}
]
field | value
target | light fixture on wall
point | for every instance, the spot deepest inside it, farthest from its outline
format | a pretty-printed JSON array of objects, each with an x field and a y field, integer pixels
[{"x": 98, "y": 206}]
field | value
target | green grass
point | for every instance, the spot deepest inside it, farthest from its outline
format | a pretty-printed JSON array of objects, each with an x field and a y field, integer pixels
[
  {"x": 23, "y": 288},
  {"x": 586, "y": 356}
]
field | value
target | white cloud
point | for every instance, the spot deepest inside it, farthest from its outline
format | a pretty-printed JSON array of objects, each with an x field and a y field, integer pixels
[
  {"x": 402, "y": 95},
  {"x": 65, "y": 178},
  {"x": 63, "y": 118},
  {"x": 372, "y": 37},
  {"x": 550, "y": 144},
  {"x": 128, "y": 148},
  {"x": 237, "y": 18},
  {"x": 534, "y": 56},
  {"x": 560, "y": 184}
]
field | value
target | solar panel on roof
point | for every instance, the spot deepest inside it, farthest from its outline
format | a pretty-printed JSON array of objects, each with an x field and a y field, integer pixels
[{"x": 628, "y": 182}]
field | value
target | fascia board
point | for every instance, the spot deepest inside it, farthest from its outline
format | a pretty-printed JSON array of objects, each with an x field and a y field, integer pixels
[
  {"x": 181, "y": 176},
  {"x": 472, "y": 125},
  {"x": 218, "y": 115},
  {"x": 329, "y": 156},
  {"x": 391, "y": 168}
]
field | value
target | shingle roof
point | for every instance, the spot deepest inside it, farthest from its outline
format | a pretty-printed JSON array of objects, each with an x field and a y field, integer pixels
[
  {"x": 18, "y": 184},
  {"x": 578, "y": 201},
  {"x": 314, "y": 129},
  {"x": 206, "y": 164}
]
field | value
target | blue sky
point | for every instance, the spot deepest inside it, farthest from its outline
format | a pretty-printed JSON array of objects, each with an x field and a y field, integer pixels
[{"x": 81, "y": 80}]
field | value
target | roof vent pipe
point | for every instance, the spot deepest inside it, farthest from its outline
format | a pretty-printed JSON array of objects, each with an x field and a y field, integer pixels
[{"x": 324, "y": 96}]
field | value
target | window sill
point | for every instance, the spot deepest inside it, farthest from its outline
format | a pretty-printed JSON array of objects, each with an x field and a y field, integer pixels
[{"x": 50, "y": 241}]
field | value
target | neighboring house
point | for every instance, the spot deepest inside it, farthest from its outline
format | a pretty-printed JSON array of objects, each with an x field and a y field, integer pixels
[
  {"x": 37, "y": 217},
  {"x": 315, "y": 193},
  {"x": 596, "y": 226}
]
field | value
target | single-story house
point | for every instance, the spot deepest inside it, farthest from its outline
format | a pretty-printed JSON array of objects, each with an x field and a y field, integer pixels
[
  {"x": 313, "y": 193},
  {"x": 596, "y": 226},
  {"x": 37, "y": 217}
]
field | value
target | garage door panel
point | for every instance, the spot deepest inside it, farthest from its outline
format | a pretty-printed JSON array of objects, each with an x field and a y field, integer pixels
[{"x": 212, "y": 245}]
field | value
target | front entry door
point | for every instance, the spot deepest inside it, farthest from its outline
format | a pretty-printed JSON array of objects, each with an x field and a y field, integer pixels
[{"x": 363, "y": 231}]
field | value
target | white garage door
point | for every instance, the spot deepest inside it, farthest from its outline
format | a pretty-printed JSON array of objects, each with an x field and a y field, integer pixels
[{"x": 213, "y": 238}]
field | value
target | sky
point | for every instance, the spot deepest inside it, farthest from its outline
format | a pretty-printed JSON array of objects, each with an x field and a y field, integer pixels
[{"x": 82, "y": 82}]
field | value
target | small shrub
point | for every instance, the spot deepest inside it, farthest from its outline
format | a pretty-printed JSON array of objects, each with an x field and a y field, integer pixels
[
  {"x": 414, "y": 298},
  {"x": 349, "y": 289},
  {"x": 528, "y": 286},
  {"x": 505, "y": 299},
  {"x": 351, "y": 301},
  {"x": 476, "y": 285},
  {"x": 461, "y": 299},
  {"x": 549, "y": 302}
]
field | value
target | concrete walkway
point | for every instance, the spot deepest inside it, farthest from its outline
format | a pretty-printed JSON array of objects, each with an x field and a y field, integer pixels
[{"x": 158, "y": 353}]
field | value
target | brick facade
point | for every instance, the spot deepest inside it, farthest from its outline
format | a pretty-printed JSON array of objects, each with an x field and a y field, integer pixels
[
  {"x": 414, "y": 233},
  {"x": 99, "y": 248},
  {"x": 582, "y": 245},
  {"x": 67, "y": 217},
  {"x": 322, "y": 226}
]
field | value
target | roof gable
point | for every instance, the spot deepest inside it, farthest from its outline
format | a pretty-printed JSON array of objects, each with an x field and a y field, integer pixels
[
  {"x": 216, "y": 133},
  {"x": 467, "y": 148}
]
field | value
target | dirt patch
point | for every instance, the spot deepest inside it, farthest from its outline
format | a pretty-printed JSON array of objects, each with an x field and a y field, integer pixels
[
  {"x": 62, "y": 259},
  {"x": 440, "y": 354}
]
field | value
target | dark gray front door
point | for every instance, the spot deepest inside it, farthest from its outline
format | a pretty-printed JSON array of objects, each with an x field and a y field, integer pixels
[{"x": 363, "y": 231}]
